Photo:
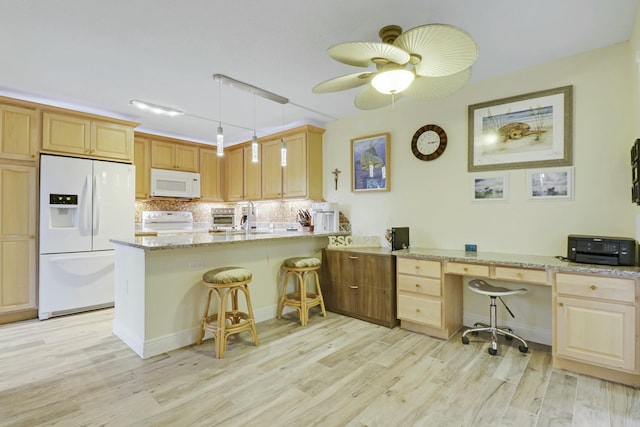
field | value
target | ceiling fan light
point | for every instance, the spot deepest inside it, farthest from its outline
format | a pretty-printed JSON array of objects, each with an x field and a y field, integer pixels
[{"x": 393, "y": 81}]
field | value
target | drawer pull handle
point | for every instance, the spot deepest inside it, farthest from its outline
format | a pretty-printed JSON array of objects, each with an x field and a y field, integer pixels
[
  {"x": 465, "y": 269},
  {"x": 417, "y": 310},
  {"x": 417, "y": 285},
  {"x": 353, "y": 287},
  {"x": 593, "y": 287},
  {"x": 561, "y": 304},
  {"x": 519, "y": 275},
  {"x": 353, "y": 257}
]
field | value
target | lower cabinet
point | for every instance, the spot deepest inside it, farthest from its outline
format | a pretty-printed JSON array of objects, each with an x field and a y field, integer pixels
[
  {"x": 596, "y": 320},
  {"x": 428, "y": 301},
  {"x": 360, "y": 284}
]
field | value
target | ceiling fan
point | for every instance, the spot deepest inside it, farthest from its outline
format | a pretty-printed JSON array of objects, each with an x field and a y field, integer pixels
[{"x": 426, "y": 62}]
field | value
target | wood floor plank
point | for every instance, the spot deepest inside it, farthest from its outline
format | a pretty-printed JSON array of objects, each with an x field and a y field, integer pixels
[{"x": 336, "y": 371}]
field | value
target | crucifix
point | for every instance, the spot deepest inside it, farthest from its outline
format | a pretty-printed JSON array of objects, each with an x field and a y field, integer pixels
[{"x": 336, "y": 172}]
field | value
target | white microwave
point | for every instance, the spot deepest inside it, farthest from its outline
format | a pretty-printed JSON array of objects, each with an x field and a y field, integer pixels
[{"x": 170, "y": 183}]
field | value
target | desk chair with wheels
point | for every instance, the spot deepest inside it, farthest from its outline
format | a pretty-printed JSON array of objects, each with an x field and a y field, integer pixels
[{"x": 482, "y": 287}]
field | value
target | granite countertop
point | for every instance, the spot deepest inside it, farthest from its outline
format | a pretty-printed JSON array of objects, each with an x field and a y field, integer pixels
[
  {"x": 517, "y": 260},
  {"x": 199, "y": 239}
]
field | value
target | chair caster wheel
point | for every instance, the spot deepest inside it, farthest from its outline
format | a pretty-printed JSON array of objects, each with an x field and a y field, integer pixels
[
  {"x": 465, "y": 340},
  {"x": 492, "y": 351},
  {"x": 523, "y": 349}
]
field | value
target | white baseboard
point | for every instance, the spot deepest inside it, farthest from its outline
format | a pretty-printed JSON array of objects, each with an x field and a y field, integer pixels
[{"x": 538, "y": 335}]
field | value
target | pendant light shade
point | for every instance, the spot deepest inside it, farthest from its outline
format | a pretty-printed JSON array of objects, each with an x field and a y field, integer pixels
[
  {"x": 220, "y": 141},
  {"x": 254, "y": 140},
  {"x": 283, "y": 152}
]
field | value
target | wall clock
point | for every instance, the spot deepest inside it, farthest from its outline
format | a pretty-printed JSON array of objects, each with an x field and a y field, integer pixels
[{"x": 429, "y": 142}]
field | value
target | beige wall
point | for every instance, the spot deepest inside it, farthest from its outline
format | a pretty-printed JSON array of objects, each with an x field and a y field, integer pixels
[{"x": 434, "y": 198}]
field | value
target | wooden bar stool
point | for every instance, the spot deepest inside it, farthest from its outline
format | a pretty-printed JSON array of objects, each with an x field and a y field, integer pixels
[
  {"x": 226, "y": 282},
  {"x": 302, "y": 268}
]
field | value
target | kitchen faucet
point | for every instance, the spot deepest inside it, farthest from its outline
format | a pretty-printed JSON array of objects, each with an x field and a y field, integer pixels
[{"x": 250, "y": 211}]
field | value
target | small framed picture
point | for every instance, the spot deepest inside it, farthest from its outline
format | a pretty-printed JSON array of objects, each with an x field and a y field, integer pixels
[
  {"x": 550, "y": 184},
  {"x": 370, "y": 163},
  {"x": 490, "y": 187}
]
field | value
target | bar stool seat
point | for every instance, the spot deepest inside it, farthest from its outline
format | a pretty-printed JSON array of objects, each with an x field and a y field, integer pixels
[
  {"x": 302, "y": 268},
  {"x": 481, "y": 287},
  {"x": 226, "y": 283}
]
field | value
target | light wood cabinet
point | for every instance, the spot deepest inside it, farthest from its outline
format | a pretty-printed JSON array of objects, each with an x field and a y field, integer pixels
[
  {"x": 142, "y": 162},
  {"x": 19, "y": 132},
  {"x": 170, "y": 155},
  {"x": 252, "y": 176},
  {"x": 210, "y": 176},
  {"x": 302, "y": 176},
  {"x": 428, "y": 302},
  {"x": 17, "y": 242},
  {"x": 360, "y": 284},
  {"x": 596, "y": 320},
  {"x": 85, "y": 136},
  {"x": 235, "y": 174}
]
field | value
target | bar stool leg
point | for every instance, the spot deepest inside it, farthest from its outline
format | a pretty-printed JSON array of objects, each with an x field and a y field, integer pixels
[
  {"x": 253, "y": 329},
  {"x": 283, "y": 295},
  {"x": 319, "y": 292},
  {"x": 204, "y": 317},
  {"x": 221, "y": 339}
]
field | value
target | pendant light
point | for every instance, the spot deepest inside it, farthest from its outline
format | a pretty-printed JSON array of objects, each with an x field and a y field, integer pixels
[
  {"x": 283, "y": 145},
  {"x": 220, "y": 135},
  {"x": 254, "y": 140}
]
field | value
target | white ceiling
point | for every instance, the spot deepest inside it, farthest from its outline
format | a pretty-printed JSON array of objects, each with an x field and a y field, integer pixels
[{"x": 96, "y": 55}]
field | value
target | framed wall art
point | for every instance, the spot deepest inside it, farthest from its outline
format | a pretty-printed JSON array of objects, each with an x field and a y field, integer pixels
[
  {"x": 521, "y": 132},
  {"x": 550, "y": 184},
  {"x": 370, "y": 163},
  {"x": 491, "y": 187}
]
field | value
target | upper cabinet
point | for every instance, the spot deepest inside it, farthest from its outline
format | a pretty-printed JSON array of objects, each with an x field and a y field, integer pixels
[
  {"x": 172, "y": 155},
  {"x": 210, "y": 176},
  {"x": 19, "y": 129},
  {"x": 252, "y": 175},
  {"x": 302, "y": 175},
  {"x": 87, "y": 136},
  {"x": 235, "y": 174},
  {"x": 142, "y": 162}
]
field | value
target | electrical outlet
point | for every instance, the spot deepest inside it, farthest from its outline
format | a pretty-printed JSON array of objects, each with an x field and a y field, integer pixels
[{"x": 196, "y": 265}]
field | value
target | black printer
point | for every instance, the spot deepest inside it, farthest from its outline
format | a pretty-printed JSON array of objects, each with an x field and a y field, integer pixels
[{"x": 602, "y": 250}]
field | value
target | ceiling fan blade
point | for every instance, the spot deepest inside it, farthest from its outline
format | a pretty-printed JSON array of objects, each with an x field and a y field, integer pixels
[
  {"x": 427, "y": 88},
  {"x": 362, "y": 54},
  {"x": 344, "y": 82},
  {"x": 371, "y": 99},
  {"x": 444, "y": 49}
]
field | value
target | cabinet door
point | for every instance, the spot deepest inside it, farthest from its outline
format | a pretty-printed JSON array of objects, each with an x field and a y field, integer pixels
[
  {"x": 186, "y": 158},
  {"x": 235, "y": 174},
  {"x": 210, "y": 176},
  {"x": 17, "y": 238},
  {"x": 142, "y": 160},
  {"x": 162, "y": 155},
  {"x": 111, "y": 140},
  {"x": 271, "y": 170},
  {"x": 65, "y": 134},
  {"x": 18, "y": 133},
  {"x": 252, "y": 176},
  {"x": 294, "y": 175},
  {"x": 596, "y": 332}
]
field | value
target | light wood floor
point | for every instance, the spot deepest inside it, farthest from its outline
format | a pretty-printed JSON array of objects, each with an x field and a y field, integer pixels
[{"x": 337, "y": 371}]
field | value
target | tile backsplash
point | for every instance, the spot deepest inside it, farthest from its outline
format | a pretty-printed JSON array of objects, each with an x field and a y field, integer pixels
[{"x": 266, "y": 211}]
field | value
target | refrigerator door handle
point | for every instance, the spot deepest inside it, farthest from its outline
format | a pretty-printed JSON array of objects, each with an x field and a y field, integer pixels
[
  {"x": 96, "y": 206},
  {"x": 85, "y": 213}
]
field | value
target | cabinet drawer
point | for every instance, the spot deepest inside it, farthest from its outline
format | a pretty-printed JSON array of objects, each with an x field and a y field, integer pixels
[
  {"x": 419, "y": 284},
  {"x": 607, "y": 288},
  {"x": 419, "y": 310},
  {"x": 418, "y": 267},
  {"x": 467, "y": 269},
  {"x": 522, "y": 275}
]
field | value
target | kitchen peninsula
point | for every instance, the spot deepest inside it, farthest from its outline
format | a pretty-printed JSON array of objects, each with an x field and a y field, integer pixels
[{"x": 159, "y": 298}]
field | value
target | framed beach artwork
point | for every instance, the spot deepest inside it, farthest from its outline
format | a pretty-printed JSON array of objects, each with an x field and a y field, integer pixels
[
  {"x": 550, "y": 184},
  {"x": 522, "y": 132},
  {"x": 370, "y": 163},
  {"x": 492, "y": 187}
]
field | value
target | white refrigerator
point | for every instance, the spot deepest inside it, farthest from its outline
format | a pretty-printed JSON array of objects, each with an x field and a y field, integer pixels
[{"x": 83, "y": 204}]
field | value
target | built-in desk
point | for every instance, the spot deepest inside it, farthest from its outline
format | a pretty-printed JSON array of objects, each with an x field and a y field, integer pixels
[{"x": 595, "y": 311}]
